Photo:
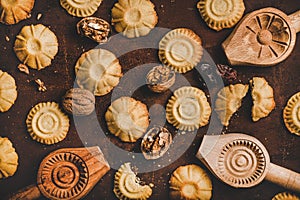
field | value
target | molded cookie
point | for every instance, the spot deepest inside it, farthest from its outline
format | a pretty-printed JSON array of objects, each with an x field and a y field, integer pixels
[
  {"x": 188, "y": 109},
  {"x": 229, "y": 100},
  {"x": 127, "y": 186},
  {"x": 291, "y": 114},
  {"x": 36, "y": 46},
  {"x": 263, "y": 98},
  {"x": 127, "y": 119},
  {"x": 180, "y": 49},
  {"x": 98, "y": 70},
  {"x": 134, "y": 18},
  {"x": 8, "y": 158},
  {"x": 8, "y": 91},
  {"x": 47, "y": 124},
  {"x": 285, "y": 196},
  {"x": 190, "y": 182},
  {"x": 219, "y": 14},
  {"x": 11, "y": 12},
  {"x": 80, "y": 8}
]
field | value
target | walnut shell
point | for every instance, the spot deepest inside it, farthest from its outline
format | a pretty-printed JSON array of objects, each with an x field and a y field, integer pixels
[
  {"x": 78, "y": 102},
  {"x": 160, "y": 78}
]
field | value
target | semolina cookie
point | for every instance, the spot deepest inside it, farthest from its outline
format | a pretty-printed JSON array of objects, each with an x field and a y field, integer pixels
[
  {"x": 98, "y": 70},
  {"x": 291, "y": 114},
  {"x": 285, "y": 196},
  {"x": 47, "y": 124},
  {"x": 8, "y": 91},
  {"x": 80, "y": 8},
  {"x": 126, "y": 185},
  {"x": 127, "y": 119},
  {"x": 219, "y": 14},
  {"x": 190, "y": 182},
  {"x": 263, "y": 98},
  {"x": 8, "y": 158},
  {"x": 13, "y": 11},
  {"x": 188, "y": 109},
  {"x": 180, "y": 49},
  {"x": 36, "y": 46},
  {"x": 229, "y": 100},
  {"x": 134, "y": 18}
]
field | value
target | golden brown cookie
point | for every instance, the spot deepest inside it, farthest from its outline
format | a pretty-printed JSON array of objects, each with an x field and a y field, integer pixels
[
  {"x": 263, "y": 98},
  {"x": 47, "y": 124},
  {"x": 190, "y": 182},
  {"x": 126, "y": 185},
  {"x": 285, "y": 196},
  {"x": 127, "y": 119},
  {"x": 36, "y": 46},
  {"x": 98, "y": 70},
  {"x": 180, "y": 49},
  {"x": 291, "y": 114},
  {"x": 134, "y": 18},
  {"x": 188, "y": 109},
  {"x": 13, "y": 11},
  {"x": 219, "y": 14},
  {"x": 8, "y": 91},
  {"x": 8, "y": 158},
  {"x": 229, "y": 100},
  {"x": 80, "y": 8}
]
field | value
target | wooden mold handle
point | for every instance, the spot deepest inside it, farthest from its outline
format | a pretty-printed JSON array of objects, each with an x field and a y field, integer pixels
[
  {"x": 29, "y": 193},
  {"x": 284, "y": 177},
  {"x": 295, "y": 20}
]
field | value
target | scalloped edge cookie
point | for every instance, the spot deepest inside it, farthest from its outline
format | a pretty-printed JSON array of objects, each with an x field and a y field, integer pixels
[
  {"x": 182, "y": 107},
  {"x": 8, "y": 158},
  {"x": 219, "y": 14},
  {"x": 291, "y": 114},
  {"x": 285, "y": 196},
  {"x": 80, "y": 8},
  {"x": 181, "y": 49},
  {"x": 55, "y": 120},
  {"x": 126, "y": 177},
  {"x": 8, "y": 91},
  {"x": 12, "y": 12}
]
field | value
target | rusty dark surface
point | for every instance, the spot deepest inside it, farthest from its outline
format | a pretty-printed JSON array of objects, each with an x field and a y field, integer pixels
[{"x": 282, "y": 146}]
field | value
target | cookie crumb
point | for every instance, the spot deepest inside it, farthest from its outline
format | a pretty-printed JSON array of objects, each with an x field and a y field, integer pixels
[
  {"x": 7, "y": 38},
  {"x": 39, "y": 16},
  {"x": 23, "y": 68}
]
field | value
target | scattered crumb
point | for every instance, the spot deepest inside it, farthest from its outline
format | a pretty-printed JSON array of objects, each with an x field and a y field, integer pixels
[
  {"x": 190, "y": 9},
  {"x": 23, "y": 68},
  {"x": 41, "y": 84},
  {"x": 133, "y": 157},
  {"x": 151, "y": 185},
  {"x": 161, "y": 5},
  {"x": 7, "y": 38},
  {"x": 173, "y": 1},
  {"x": 39, "y": 16}
]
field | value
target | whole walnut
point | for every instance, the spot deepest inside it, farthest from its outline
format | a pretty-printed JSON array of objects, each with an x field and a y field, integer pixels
[{"x": 78, "y": 102}]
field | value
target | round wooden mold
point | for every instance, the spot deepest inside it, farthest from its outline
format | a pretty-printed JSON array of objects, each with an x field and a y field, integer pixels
[{"x": 63, "y": 175}]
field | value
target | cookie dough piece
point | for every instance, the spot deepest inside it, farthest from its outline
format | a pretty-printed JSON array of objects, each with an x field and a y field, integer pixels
[
  {"x": 181, "y": 49},
  {"x": 8, "y": 158},
  {"x": 263, "y": 98},
  {"x": 229, "y": 100},
  {"x": 36, "y": 46},
  {"x": 219, "y": 14},
  {"x": 8, "y": 91},
  {"x": 98, "y": 70},
  {"x": 188, "y": 109},
  {"x": 291, "y": 114},
  {"x": 134, "y": 18},
  {"x": 127, "y": 186},
  {"x": 190, "y": 182},
  {"x": 127, "y": 119},
  {"x": 47, "y": 124}
]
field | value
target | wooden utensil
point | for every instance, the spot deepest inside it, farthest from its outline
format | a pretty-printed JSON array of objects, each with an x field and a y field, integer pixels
[
  {"x": 242, "y": 161},
  {"x": 264, "y": 37},
  {"x": 68, "y": 173}
]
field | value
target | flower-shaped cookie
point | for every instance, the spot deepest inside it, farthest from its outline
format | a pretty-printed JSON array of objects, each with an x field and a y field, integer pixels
[
  {"x": 8, "y": 158},
  {"x": 188, "y": 109},
  {"x": 13, "y": 11},
  {"x": 80, "y": 8},
  {"x": 8, "y": 91},
  {"x": 291, "y": 114},
  {"x": 98, "y": 71},
  {"x": 127, "y": 118},
  {"x": 36, "y": 46},
  {"x": 134, "y": 18},
  {"x": 47, "y": 124}
]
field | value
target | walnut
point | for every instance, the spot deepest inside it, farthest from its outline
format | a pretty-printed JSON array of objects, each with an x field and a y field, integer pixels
[
  {"x": 156, "y": 142},
  {"x": 94, "y": 28},
  {"x": 41, "y": 84},
  {"x": 78, "y": 102},
  {"x": 160, "y": 78}
]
